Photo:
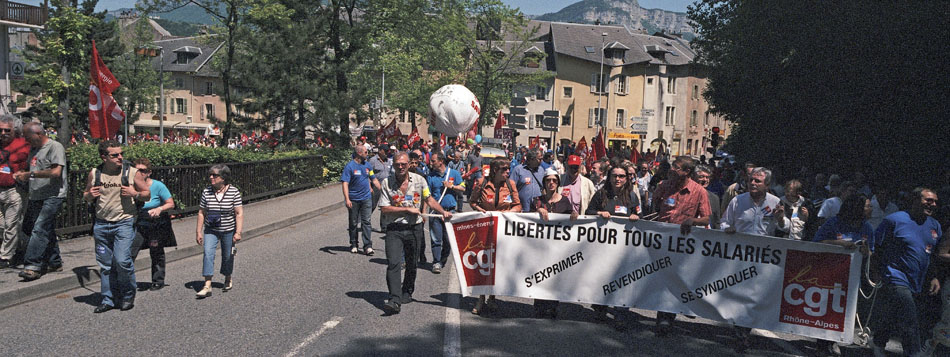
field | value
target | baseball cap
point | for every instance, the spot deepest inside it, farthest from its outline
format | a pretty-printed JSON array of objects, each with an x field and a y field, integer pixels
[
  {"x": 550, "y": 172},
  {"x": 573, "y": 160}
]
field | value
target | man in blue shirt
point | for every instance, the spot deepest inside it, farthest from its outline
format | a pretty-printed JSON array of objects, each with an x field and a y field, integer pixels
[
  {"x": 527, "y": 177},
  {"x": 903, "y": 244},
  {"x": 442, "y": 178},
  {"x": 357, "y": 195}
]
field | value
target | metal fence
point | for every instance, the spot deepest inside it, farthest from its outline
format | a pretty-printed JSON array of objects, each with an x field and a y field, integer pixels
[{"x": 257, "y": 179}]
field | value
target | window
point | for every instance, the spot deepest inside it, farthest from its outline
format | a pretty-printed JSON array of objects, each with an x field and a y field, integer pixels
[
  {"x": 542, "y": 93},
  {"x": 568, "y": 92},
  {"x": 180, "y": 83},
  {"x": 695, "y": 91},
  {"x": 692, "y": 118},
  {"x": 181, "y": 105},
  {"x": 596, "y": 81},
  {"x": 706, "y": 120},
  {"x": 209, "y": 88},
  {"x": 620, "y": 118},
  {"x": 671, "y": 85},
  {"x": 689, "y": 146},
  {"x": 670, "y": 115},
  {"x": 183, "y": 58},
  {"x": 649, "y": 81},
  {"x": 589, "y": 49},
  {"x": 209, "y": 111},
  {"x": 566, "y": 120},
  {"x": 621, "y": 84},
  {"x": 594, "y": 116},
  {"x": 538, "y": 119}
]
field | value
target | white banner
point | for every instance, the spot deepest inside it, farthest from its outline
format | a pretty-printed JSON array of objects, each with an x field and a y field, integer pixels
[{"x": 782, "y": 285}]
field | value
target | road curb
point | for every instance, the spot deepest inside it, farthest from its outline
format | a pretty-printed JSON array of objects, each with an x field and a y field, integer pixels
[{"x": 85, "y": 276}]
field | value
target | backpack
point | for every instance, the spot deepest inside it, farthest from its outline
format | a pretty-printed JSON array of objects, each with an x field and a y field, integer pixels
[
  {"x": 97, "y": 181},
  {"x": 478, "y": 191}
]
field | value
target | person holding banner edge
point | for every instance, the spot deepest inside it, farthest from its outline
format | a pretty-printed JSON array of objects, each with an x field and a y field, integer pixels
[
  {"x": 679, "y": 200},
  {"x": 444, "y": 182},
  {"x": 404, "y": 197},
  {"x": 550, "y": 201},
  {"x": 494, "y": 193}
]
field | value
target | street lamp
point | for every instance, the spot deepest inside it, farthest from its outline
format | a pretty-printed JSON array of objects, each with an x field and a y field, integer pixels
[
  {"x": 600, "y": 84},
  {"x": 152, "y": 52}
]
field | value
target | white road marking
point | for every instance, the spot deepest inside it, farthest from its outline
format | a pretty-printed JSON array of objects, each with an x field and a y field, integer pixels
[
  {"x": 326, "y": 326},
  {"x": 788, "y": 347},
  {"x": 453, "y": 329}
]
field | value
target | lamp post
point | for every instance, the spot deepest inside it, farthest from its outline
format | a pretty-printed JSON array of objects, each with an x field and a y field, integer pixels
[
  {"x": 152, "y": 52},
  {"x": 600, "y": 85}
]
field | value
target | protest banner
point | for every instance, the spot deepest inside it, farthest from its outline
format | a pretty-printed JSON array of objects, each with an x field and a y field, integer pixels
[{"x": 782, "y": 285}]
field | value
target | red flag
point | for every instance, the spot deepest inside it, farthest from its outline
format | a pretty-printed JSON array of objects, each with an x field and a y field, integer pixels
[
  {"x": 581, "y": 148},
  {"x": 635, "y": 155},
  {"x": 105, "y": 116},
  {"x": 442, "y": 141},
  {"x": 390, "y": 130},
  {"x": 414, "y": 136},
  {"x": 534, "y": 142},
  {"x": 243, "y": 139},
  {"x": 500, "y": 122},
  {"x": 597, "y": 145}
]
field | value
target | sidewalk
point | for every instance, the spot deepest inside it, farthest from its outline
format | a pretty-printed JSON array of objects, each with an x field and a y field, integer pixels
[{"x": 79, "y": 260}]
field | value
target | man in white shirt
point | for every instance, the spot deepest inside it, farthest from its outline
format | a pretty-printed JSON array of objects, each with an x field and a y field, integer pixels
[{"x": 831, "y": 206}]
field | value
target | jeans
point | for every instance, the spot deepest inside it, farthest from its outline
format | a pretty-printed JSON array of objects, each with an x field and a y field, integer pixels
[
  {"x": 227, "y": 259},
  {"x": 39, "y": 224},
  {"x": 440, "y": 243},
  {"x": 11, "y": 216},
  {"x": 114, "y": 242},
  {"x": 360, "y": 214},
  {"x": 156, "y": 251},
  {"x": 897, "y": 314},
  {"x": 402, "y": 243}
]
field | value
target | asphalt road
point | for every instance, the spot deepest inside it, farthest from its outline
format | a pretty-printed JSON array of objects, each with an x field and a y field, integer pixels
[{"x": 299, "y": 291}]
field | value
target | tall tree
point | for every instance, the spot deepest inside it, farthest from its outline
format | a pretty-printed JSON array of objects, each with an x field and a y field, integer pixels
[{"x": 840, "y": 86}]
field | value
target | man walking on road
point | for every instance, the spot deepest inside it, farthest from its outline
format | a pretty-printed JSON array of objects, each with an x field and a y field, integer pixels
[
  {"x": 527, "y": 178},
  {"x": 356, "y": 177},
  {"x": 440, "y": 179},
  {"x": 404, "y": 198},
  {"x": 47, "y": 180},
  {"x": 113, "y": 188},
  {"x": 904, "y": 243},
  {"x": 12, "y": 159},
  {"x": 680, "y": 200}
]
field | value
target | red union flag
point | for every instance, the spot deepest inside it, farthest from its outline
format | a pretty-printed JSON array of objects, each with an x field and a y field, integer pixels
[
  {"x": 105, "y": 116},
  {"x": 477, "y": 246},
  {"x": 414, "y": 136},
  {"x": 815, "y": 290}
]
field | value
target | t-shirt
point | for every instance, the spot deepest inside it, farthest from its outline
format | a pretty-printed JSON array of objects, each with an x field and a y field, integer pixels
[
  {"x": 219, "y": 212},
  {"x": 159, "y": 193},
  {"x": 561, "y": 206},
  {"x": 381, "y": 167},
  {"x": 572, "y": 191},
  {"x": 52, "y": 153},
  {"x": 528, "y": 184},
  {"x": 830, "y": 208},
  {"x": 836, "y": 229},
  {"x": 111, "y": 205},
  {"x": 358, "y": 175},
  {"x": 905, "y": 248},
  {"x": 416, "y": 191},
  {"x": 747, "y": 217},
  {"x": 436, "y": 183},
  {"x": 607, "y": 201}
]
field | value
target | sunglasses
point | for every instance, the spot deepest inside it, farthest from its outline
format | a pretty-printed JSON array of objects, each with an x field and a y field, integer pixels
[
  {"x": 115, "y": 156},
  {"x": 215, "y": 175},
  {"x": 6, "y": 130},
  {"x": 621, "y": 176}
]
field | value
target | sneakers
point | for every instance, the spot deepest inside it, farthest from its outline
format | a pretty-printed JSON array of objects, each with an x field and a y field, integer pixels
[
  {"x": 354, "y": 250},
  {"x": 391, "y": 307},
  {"x": 369, "y": 251},
  {"x": 30, "y": 275},
  {"x": 54, "y": 269},
  {"x": 437, "y": 268},
  {"x": 205, "y": 292},
  {"x": 5, "y": 264}
]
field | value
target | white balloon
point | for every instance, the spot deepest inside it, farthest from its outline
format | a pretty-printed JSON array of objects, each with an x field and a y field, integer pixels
[{"x": 453, "y": 109}]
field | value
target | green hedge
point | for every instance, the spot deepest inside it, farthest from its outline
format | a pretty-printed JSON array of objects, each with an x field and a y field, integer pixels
[{"x": 84, "y": 157}]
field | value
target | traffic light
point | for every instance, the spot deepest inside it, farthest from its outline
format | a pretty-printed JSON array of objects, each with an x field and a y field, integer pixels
[{"x": 715, "y": 140}]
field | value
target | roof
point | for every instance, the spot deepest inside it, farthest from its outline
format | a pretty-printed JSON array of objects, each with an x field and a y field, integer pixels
[
  {"x": 203, "y": 47},
  {"x": 529, "y": 48},
  {"x": 582, "y": 41}
]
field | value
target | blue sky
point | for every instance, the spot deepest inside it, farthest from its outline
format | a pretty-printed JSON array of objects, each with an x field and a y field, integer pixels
[{"x": 530, "y": 7}]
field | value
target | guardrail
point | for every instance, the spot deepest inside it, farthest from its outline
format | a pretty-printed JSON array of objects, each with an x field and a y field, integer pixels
[
  {"x": 256, "y": 179},
  {"x": 23, "y": 13}
]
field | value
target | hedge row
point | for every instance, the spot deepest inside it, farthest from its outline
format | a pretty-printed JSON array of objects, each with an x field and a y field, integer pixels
[{"x": 83, "y": 157}]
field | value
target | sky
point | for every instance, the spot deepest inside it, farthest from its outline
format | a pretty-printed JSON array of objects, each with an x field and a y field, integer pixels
[{"x": 529, "y": 7}]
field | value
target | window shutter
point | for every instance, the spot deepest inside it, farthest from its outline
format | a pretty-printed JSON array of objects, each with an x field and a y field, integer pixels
[
  {"x": 593, "y": 83},
  {"x": 590, "y": 118}
]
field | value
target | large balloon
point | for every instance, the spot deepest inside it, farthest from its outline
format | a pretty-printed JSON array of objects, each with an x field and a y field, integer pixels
[
  {"x": 453, "y": 109},
  {"x": 478, "y": 138}
]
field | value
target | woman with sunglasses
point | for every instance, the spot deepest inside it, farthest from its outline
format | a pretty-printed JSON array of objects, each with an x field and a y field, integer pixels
[
  {"x": 154, "y": 224},
  {"x": 220, "y": 219},
  {"x": 616, "y": 199},
  {"x": 494, "y": 193},
  {"x": 550, "y": 201}
]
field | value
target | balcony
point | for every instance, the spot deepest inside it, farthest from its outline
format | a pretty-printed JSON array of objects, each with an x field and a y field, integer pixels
[{"x": 21, "y": 15}]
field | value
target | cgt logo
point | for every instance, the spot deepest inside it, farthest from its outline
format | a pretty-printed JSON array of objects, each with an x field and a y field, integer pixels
[
  {"x": 477, "y": 247},
  {"x": 815, "y": 289}
]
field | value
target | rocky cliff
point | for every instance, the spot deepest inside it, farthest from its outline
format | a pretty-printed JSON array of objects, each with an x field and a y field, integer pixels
[{"x": 623, "y": 12}]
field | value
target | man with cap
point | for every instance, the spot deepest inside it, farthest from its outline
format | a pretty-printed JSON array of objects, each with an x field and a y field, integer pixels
[
  {"x": 575, "y": 187},
  {"x": 527, "y": 178}
]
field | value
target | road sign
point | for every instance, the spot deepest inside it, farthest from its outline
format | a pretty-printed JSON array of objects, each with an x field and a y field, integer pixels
[
  {"x": 518, "y": 111},
  {"x": 646, "y": 112},
  {"x": 550, "y": 122},
  {"x": 552, "y": 113},
  {"x": 518, "y": 101},
  {"x": 17, "y": 70},
  {"x": 638, "y": 124},
  {"x": 517, "y": 126},
  {"x": 517, "y": 119},
  {"x": 549, "y": 128}
]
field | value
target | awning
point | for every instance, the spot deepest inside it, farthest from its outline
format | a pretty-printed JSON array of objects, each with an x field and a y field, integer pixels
[
  {"x": 173, "y": 124},
  {"x": 616, "y": 135}
]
